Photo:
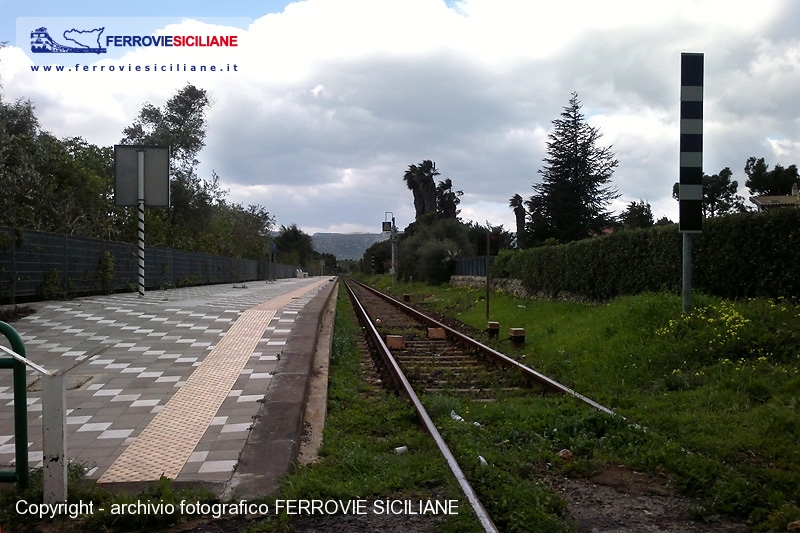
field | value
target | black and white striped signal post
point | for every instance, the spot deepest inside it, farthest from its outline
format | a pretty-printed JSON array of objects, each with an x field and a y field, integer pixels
[
  {"x": 690, "y": 192},
  {"x": 141, "y": 178}
]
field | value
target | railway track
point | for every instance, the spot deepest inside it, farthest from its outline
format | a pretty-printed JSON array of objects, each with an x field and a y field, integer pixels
[
  {"x": 456, "y": 354},
  {"x": 431, "y": 359},
  {"x": 420, "y": 354}
]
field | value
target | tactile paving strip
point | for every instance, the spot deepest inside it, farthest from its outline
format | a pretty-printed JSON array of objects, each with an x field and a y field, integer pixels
[{"x": 166, "y": 443}]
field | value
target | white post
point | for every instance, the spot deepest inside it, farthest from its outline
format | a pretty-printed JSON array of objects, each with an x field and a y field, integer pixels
[
  {"x": 141, "y": 222},
  {"x": 54, "y": 437}
]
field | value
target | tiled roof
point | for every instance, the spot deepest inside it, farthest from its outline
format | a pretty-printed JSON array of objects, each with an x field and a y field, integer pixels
[{"x": 775, "y": 201}]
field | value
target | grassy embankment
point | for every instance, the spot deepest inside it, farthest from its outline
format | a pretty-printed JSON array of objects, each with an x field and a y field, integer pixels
[{"x": 716, "y": 389}]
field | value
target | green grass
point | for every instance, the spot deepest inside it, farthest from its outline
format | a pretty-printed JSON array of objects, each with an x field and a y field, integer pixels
[{"x": 717, "y": 389}]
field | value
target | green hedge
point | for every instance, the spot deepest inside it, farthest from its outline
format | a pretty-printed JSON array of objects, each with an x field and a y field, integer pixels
[{"x": 738, "y": 256}]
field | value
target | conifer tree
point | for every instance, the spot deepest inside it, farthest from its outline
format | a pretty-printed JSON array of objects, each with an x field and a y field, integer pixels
[
  {"x": 775, "y": 182},
  {"x": 573, "y": 197}
]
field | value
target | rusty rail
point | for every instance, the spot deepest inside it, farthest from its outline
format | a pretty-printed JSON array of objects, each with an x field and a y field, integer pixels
[{"x": 403, "y": 383}]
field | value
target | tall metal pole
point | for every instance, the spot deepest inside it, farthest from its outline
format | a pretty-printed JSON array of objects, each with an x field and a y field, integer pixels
[
  {"x": 394, "y": 252},
  {"x": 141, "y": 221},
  {"x": 686, "y": 292},
  {"x": 488, "y": 251},
  {"x": 273, "y": 260}
]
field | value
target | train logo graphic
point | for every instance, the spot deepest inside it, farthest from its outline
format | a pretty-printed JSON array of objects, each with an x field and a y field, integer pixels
[{"x": 85, "y": 41}]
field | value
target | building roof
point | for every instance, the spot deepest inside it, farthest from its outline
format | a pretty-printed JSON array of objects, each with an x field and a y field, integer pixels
[
  {"x": 770, "y": 202},
  {"x": 774, "y": 201}
]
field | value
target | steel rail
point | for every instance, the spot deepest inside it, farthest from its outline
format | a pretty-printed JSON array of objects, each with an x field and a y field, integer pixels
[
  {"x": 28, "y": 362},
  {"x": 405, "y": 385},
  {"x": 491, "y": 352}
]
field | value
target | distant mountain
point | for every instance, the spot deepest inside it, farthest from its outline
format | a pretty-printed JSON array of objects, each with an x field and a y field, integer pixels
[{"x": 345, "y": 245}]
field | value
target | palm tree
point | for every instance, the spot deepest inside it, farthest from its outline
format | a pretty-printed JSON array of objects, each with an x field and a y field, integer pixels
[
  {"x": 518, "y": 205},
  {"x": 447, "y": 200},
  {"x": 419, "y": 179},
  {"x": 427, "y": 185},
  {"x": 411, "y": 177}
]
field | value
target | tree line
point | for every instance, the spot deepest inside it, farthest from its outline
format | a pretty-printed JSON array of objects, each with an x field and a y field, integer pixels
[
  {"x": 720, "y": 196},
  {"x": 571, "y": 202},
  {"x": 429, "y": 246},
  {"x": 67, "y": 186}
]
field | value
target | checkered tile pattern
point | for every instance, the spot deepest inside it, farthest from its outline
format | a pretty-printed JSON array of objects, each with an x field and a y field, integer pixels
[{"x": 132, "y": 356}]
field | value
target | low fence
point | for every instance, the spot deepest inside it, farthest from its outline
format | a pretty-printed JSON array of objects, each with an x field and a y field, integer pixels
[
  {"x": 39, "y": 265},
  {"x": 473, "y": 266}
]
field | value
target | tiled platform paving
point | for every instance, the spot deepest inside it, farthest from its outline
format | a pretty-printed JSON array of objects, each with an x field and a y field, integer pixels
[{"x": 169, "y": 383}]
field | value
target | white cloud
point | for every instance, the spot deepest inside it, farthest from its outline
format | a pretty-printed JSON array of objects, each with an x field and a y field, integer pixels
[
  {"x": 333, "y": 99},
  {"x": 785, "y": 149}
]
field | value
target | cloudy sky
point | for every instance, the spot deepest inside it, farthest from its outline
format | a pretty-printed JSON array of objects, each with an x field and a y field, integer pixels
[{"x": 331, "y": 100}]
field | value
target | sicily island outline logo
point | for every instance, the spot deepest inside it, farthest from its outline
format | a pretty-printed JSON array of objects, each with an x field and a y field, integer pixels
[{"x": 42, "y": 43}]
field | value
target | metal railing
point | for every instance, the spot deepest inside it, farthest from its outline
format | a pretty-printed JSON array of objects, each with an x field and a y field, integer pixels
[
  {"x": 20, "y": 472},
  {"x": 54, "y": 420}
]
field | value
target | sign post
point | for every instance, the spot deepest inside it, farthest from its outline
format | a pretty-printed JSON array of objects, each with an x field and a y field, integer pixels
[
  {"x": 690, "y": 192},
  {"x": 488, "y": 253},
  {"x": 273, "y": 260},
  {"x": 141, "y": 179},
  {"x": 392, "y": 229},
  {"x": 140, "y": 209}
]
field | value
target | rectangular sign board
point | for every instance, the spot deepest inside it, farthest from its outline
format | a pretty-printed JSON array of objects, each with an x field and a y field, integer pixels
[{"x": 126, "y": 175}]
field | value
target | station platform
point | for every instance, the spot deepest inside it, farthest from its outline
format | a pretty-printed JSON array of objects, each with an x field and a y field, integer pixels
[{"x": 201, "y": 384}]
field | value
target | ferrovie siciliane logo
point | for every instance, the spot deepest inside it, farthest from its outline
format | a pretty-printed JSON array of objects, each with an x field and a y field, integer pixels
[
  {"x": 80, "y": 42},
  {"x": 48, "y": 38}
]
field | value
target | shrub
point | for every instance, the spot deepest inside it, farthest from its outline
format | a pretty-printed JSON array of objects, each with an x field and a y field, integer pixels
[{"x": 738, "y": 256}]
